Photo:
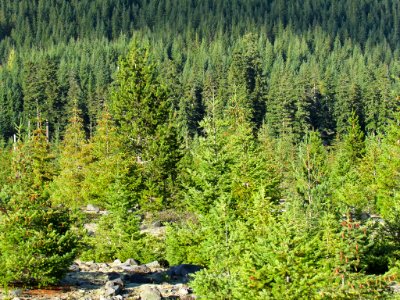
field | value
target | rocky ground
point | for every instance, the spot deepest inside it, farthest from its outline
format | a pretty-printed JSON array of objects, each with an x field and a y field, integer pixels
[{"x": 117, "y": 280}]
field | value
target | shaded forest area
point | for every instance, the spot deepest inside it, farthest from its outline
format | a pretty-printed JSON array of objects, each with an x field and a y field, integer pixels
[{"x": 263, "y": 134}]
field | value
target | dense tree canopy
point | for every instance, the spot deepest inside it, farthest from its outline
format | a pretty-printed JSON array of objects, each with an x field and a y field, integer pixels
[{"x": 265, "y": 132}]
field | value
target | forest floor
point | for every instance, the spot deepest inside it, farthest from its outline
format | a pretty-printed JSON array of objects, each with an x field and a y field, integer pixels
[
  {"x": 117, "y": 280},
  {"x": 112, "y": 281}
]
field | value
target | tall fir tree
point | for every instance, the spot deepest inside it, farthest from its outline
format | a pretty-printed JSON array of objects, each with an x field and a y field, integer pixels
[
  {"x": 142, "y": 109},
  {"x": 349, "y": 152},
  {"x": 73, "y": 163},
  {"x": 387, "y": 173},
  {"x": 312, "y": 172},
  {"x": 110, "y": 171}
]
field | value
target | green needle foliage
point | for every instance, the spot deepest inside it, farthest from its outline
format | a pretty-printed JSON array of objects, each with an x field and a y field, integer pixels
[
  {"x": 143, "y": 113},
  {"x": 388, "y": 173},
  {"x": 111, "y": 172},
  {"x": 73, "y": 161},
  {"x": 266, "y": 132},
  {"x": 270, "y": 256},
  {"x": 37, "y": 244}
]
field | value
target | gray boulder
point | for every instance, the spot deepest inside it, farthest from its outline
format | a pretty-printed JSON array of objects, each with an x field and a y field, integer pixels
[
  {"x": 74, "y": 268},
  {"x": 113, "y": 287},
  {"x": 130, "y": 262},
  {"x": 153, "y": 265},
  {"x": 116, "y": 262},
  {"x": 90, "y": 228},
  {"x": 92, "y": 209},
  {"x": 150, "y": 293}
]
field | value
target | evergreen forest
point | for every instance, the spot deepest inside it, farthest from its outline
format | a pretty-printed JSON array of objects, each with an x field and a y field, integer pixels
[{"x": 264, "y": 135}]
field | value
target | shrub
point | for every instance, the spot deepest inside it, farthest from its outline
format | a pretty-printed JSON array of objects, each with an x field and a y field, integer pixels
[
  {"x": 118, "y": 236},
  {"x": 36, "y": 244}
]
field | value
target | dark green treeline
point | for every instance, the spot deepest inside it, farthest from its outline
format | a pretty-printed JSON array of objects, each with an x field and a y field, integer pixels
[{"x": 331, "y": 55}]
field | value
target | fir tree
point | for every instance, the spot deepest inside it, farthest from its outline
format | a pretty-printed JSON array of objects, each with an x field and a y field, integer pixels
[
  {"x": 36, "y": 241},
  {"x": 387, "y": 173},
  {"x": 311, "y": 171},
  {"x": 73, "y": 162},
  {"x": 349, "y": 152},
  {"x": 110, "y": 170},
  {"x": 142, "y": 110}
]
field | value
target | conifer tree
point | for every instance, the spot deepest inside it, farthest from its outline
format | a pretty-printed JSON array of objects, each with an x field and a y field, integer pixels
[
  {"x": 387, "y": 173},
  {"x": 111, "y": 170},
  {"x": 311, "y": 171},
  {"x": 73, "y": 162},
  {"x": 208, "y": 171},
  {"x": 226, "y": 170},
  {"x": 250, "y": 169},
  {"x": 349, "y": 152},
  {"x": 361, "y": 191},
  {"x": 113, "y": 182},
  {"x": 281, "y": 102},
  {"x": 376, "y": 99},
  {"x": 139, "y": 101},
  {"x": 36, "y": 241},
  {"x": 42, "y": 91},
  {"x": 160, "y": 171},
  {"x": 246, "y": 79},
  {"x": 191, "y": 109},
  {"x": 5, "y": 163},
  {"x": 33, "y": 91},
  {"x": 142, "y": 110},
  {"x": 284, "y": 255},
  {"x": 348, "y": 103},
  {"x": 11, "y": 104}
]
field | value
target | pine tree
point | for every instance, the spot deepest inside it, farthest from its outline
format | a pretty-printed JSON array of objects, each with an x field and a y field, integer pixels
[
  {"x": 11, "y": 102},
  {"x": 160, "y": 169},
  {"x": 5, "y": 163},
  {"x": 191, "y": 109},
  {"x": 42, "y": 92},
  {"x": 376, "y": 99},
  {"x": 281, "y": 106},
  {"x": 139, "y": 101},
  {"x": 209, "y": 168},
  {"x": 348, "y": 103},
  {"x": 361, "y": 192},
  {"x": 33, "y": 91},
  {"x": 250, "y": 169},
  {"x": 271, "y": 255},
  {"x": 113, "y": 182}
]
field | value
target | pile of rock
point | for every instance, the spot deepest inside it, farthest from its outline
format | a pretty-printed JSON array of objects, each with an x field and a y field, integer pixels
[{"x": 119, "y": 281}]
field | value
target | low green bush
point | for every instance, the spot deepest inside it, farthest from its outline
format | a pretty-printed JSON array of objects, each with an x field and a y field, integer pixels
[{"x": 37, "y": 244}]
